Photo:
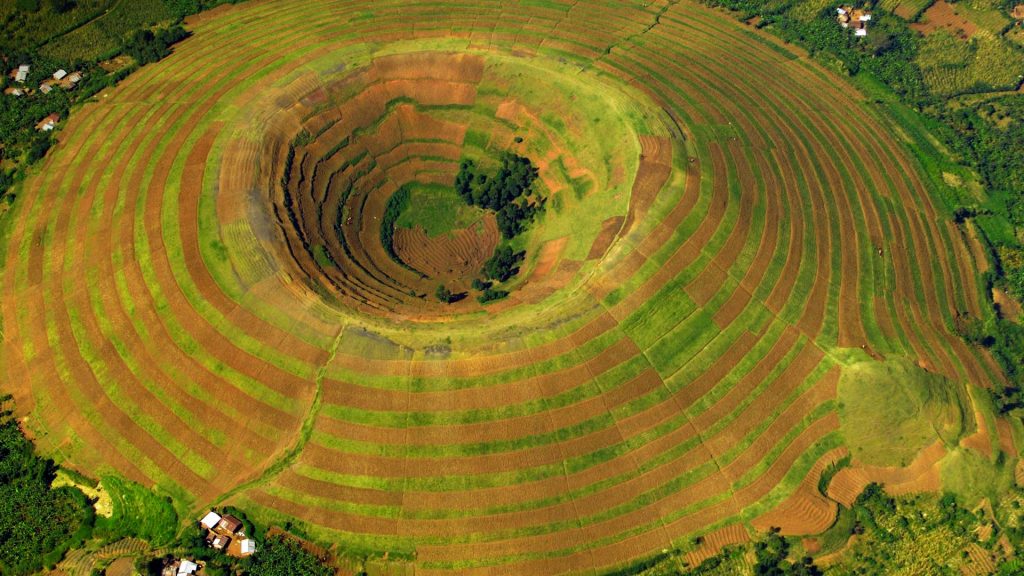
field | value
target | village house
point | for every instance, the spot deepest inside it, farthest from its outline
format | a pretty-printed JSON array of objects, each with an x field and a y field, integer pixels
[
  {"x": 217, "y": 541},
  {"x": 229, "y": 524},
  {"x": 181, "y": 567},
  {"x": 59, "y": 74},
  {"x": 225, "y": 533},
  {"x": 47, "y": 124},
  {"x": 855, "y": 18},
  {"x": 22, "y": 74},
  {"x": 210, "y": 520},
  {"x": 45, "y": 88}
]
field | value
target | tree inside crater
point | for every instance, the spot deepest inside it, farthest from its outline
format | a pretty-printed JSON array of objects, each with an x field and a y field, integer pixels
[{"x": 509, "y": 194}]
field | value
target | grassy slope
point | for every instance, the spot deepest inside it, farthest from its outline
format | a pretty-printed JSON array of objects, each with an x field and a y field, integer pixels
[
  {"x": 892, "y": 410},
  {"x": 438, "y": 210}
]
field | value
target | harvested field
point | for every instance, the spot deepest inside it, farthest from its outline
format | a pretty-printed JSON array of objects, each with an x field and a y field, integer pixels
[
  {"x": 204, "y": 299},
  {"x": 945, "y": 16}
]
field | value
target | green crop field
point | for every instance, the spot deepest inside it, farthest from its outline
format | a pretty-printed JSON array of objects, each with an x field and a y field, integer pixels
[
  {"x": 438, "y": 210},
  {"x": 743, "y": 270}
]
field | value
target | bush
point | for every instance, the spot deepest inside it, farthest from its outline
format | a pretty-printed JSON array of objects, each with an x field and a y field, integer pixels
[
  {"x": 443, "y": 294},
  {"x": 491, "y": 294}
]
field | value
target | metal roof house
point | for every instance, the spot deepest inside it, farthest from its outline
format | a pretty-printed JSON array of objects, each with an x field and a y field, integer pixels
[
  {"x": 210, "y": 520},
  {"x": 48, "y": 123},
  {"x": 248, "y": 547},
  {"x": 22, "y": 74},
  {"x": 230, "y": 524},
  {"x": 59, "y": 74}
]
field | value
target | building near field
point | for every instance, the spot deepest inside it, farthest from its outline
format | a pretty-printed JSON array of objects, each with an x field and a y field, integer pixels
[
  {"x": 181, "y": 567},
  {"x": 59, "y": 74},
  {"x": 856, "y": 18},
  {"x": 22, "y": 74},
  {"x": 218, "y": 542},
  {"x": 229, "y": 524},
  {"x": 47, "y": 124},
  {"x": 225, "y": 534},
  {"x": 210, "y": 520}
]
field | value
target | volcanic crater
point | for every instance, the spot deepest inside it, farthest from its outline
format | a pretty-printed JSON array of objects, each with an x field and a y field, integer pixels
[{"x": 334, "y": 155}]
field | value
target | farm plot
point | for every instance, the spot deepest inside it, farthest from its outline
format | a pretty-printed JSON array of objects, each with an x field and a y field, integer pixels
[{"x": 203, "y": 300}]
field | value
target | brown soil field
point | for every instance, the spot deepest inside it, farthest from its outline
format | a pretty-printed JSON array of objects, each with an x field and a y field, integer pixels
[
  {"x": 449, "y": 258},
  {"x": 944, "y": 16},
  {"x": 807, "y": 511},
  {"x": 714, "y": 542},
  {"x": 922, "y": 475},
  {"x": 1008, "y": 307}
]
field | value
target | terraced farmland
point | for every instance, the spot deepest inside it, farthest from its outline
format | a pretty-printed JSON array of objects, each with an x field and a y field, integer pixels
[{"x": 195, "y": 294}]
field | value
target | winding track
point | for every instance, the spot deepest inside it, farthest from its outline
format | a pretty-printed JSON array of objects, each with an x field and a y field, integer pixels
[{"x": 688, "y": 386}]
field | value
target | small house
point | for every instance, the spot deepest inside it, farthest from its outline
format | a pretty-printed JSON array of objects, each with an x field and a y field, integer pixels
[
  {"x": 210, "y": 520},
  {"x": 45, "y": 88},
  {"x": 47, "y": 124},
  {"x": 247, "y": 547},
  {"x": 22, "y": 74},
  {"x": 60, "y": 74},
  {"x": 230, "y": 524},
  {"x": 187, "y": 567},
  {"x": 75, "y": 77},
  {"x": 861, "y": 32},
  {"x": 220, "y": 542}
]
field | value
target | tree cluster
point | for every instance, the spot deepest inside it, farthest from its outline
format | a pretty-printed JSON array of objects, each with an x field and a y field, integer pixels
[
  {"x": 37, "y": 523},
  {"x": 504, "y": 264},
  {"x": 447, "y": 296},
  {"x": 507, "y": 192},
  {"x": 147, "y": 46},
  {"x": 397, "y": 203},
  {"x": 772, "y": 554}
]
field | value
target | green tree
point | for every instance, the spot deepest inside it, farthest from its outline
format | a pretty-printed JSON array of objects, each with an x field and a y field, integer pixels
[
  {"x": 504, "y": 264},
  {"x": 37, "y": 523},
  {"x": 444, "y": 294}
]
